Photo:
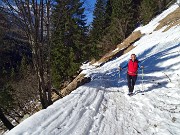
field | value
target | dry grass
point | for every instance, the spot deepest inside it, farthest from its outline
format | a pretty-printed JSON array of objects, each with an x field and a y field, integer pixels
[
  {"x": 122, "y": 48},
  {"x": 173, "y": 19}
]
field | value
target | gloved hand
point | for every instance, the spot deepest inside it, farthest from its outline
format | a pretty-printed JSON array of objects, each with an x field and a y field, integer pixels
[
  {"x": 142, "y": 67},
  {"x": 120, "y": 68}
]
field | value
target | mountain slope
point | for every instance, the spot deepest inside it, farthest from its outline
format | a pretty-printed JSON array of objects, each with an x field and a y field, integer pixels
[{"x": 102, "y": 106}]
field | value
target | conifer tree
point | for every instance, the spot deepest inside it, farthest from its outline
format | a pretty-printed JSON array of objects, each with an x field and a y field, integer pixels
[
  {"x": 122, "y": 16},
  {"x": 99, "y": 24},
  {"x": 69, "y": 41},
  {"x": 108, "y": 13},
  {"x": 148, "y": 9},
  {"x": 101, "y": 21},
  {"x": 122, "y": 24}
]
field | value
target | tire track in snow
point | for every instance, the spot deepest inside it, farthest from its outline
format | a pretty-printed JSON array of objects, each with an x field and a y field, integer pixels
[
  {"x": 82, "y": 110},
  {"x": 79, "y": 110},
  {"x": 59, "y": 112},
  {"x": 84, "y": 124},
  {"x": 108, "y": 114}
]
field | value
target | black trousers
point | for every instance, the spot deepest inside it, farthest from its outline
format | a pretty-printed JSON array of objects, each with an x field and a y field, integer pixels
[{"x": 131, "y": 82}]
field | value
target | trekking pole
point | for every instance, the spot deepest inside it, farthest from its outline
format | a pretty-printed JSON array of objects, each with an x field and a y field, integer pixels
[
  {"x": 119, "y": 80},
  {"x": 119, "y": 73},
  {"x": 142, "y": 80}
]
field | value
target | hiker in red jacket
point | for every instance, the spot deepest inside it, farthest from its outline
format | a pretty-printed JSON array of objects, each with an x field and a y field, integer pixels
[{"x": 132, "y": 72}]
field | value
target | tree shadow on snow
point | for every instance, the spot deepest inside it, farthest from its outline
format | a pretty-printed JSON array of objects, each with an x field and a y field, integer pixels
[{"x": 114, "y": 79}]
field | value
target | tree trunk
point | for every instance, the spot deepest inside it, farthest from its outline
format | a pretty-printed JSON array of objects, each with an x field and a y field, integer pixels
[
  {"x": 49, "y": 53},
  {"x": 5, "y": 121},
  {"x": 42, "y": 88}
]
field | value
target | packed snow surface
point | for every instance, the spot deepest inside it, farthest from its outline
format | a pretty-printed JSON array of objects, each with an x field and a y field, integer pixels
[{"x": 102, "y": 106}]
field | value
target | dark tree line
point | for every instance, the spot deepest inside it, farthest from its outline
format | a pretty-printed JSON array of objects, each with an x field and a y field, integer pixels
[
  {"x": 69, "y": 41},
  {"x": 114, "y": 20},
  {"x": 16, "y": 90}
]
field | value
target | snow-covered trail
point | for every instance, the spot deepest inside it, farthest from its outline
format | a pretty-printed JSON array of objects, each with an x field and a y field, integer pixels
[{"x": 102, "y": 106}]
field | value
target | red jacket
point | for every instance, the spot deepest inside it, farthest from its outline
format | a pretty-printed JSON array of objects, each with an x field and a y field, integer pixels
[{"x": 133, "y": 67}]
